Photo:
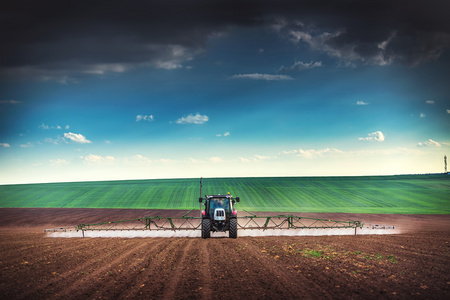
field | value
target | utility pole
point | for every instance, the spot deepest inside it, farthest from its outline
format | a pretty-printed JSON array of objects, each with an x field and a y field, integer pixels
[{"x": 201, "y": 196}]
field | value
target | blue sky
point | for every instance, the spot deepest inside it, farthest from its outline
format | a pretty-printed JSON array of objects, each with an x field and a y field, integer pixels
[{"x": 238, "y": 88}]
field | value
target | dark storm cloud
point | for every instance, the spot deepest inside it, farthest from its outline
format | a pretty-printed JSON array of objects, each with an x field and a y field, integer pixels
[
  {"x": 372, "y": 32},
  {"x": 56, "y": 39}
]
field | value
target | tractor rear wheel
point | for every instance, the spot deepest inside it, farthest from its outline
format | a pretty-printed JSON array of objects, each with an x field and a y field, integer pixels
[
  {"x": 206, "y": 228},
  {"x": 233, "y": 228}
]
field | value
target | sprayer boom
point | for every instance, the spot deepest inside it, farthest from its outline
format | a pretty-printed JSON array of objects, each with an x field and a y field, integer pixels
[{"x": 271, "y": 225}]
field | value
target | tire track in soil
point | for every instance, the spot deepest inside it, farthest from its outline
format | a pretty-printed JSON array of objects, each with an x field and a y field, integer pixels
[
  {"x": 204, "y": 269},
  {"x": 226, "y": 270},
  {"x": 79, "y": 290},
  {"x": 132, "y": 281},
  {"x": 274, "y": 281},
  {"x": 149, "y": 282},
  {"x": 70, "y": 275},
  {"x": 178, "y": 273},
  {"x": 195, "y": 281}
]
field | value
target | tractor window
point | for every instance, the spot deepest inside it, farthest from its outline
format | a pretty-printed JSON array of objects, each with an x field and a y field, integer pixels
[
  {"x": 223, "y": 203},
  {"x": 219, "y": 203}
]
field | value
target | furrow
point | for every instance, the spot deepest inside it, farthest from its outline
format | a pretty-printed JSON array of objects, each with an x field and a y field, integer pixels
[
  {"x": 110, "y": 274},
  {"x": 150, "y": 279},
  {"x": 82, "y": 263}
]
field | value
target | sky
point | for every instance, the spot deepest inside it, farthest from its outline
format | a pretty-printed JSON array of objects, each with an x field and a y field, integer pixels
[{"x": 113, "y": 90}]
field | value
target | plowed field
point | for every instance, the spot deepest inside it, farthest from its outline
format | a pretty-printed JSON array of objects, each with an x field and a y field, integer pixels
[{"x": 411, "y": 265}]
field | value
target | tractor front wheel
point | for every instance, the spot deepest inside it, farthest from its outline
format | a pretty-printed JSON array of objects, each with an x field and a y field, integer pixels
[
  {"x": 206, "y": 228},
  {"x": 233, "y": 228}
]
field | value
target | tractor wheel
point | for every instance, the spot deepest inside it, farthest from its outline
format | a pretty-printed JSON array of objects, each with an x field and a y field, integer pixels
[
  {"x": 206, "y": 228},
  {"x": 233, "y": 228}
]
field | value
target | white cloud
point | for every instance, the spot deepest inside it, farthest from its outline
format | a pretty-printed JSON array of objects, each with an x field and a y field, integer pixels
[
  {"x": 429, "y": 102},
  {"x": 254, "y": 158},
  {"x": 27, "y": 145},
  {"x": 448, "y": 111},
  {"x": 321, "y": 43},
  {"x": 244, "y": 160},
  {"x": 422, "y": 115},
  {"x": 52, "y": 141},
  {"x": 374, "y": 136},
  {"x": 193, "y": 119},
  {"x": 144, "y": 118},
  {"x": 77, "y": 138},
  {"x": 4, "y": 145},
  {"x": 165, "y": 161},
  {"x": 429, "y": 143},
  {"x": 352, "y": 154},
  {"x": 346, "y": 53},
  {"x": 225, "y": 134},
  {"x": 386, "y": 152},
  {"x": 205, "y": 161},
  {"x": 279, "y": 24},
  {"x": 215, "y": 159},
  {"x": 47, "y": 127},
  {"x": 300, "y": 66},
  {"x": 361, "y": 103},
  {"x": 194, "y": 161},
  {"x": 58, "y": 162},
  {"x": 137, "y": 160},
  {"x": 314, "y": 42},
  {"x": 261, "y": 157},
  {"x": 168, "y": 65},
  {"x": 140, "y": 159},
  {"x": 174, "y": 56},
  {"x": 289, "y": 152},
  {"x": 312, "y": 153},
  {"x": 101, "y": 69},
  {"x": 259, "y": 76},
  {"x": 161, "y": 56},
  {"x": 97, "y": 159}
]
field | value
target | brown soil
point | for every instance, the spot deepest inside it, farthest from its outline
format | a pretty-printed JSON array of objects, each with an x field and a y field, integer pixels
[{"x": 410, "y": 265}]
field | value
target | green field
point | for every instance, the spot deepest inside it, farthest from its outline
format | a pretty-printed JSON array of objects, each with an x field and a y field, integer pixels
[{"x": 404, "y": 194}]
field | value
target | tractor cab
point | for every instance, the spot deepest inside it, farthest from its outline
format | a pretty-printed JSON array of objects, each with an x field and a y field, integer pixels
[
  {"x": 219, "y": 215},
  {"x": 219, "y": 207}
]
